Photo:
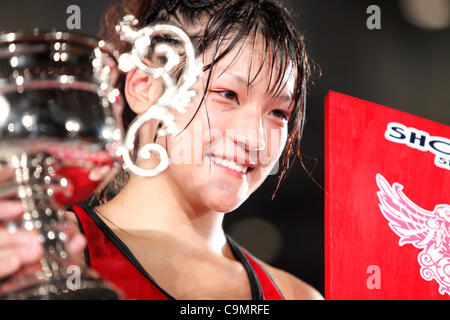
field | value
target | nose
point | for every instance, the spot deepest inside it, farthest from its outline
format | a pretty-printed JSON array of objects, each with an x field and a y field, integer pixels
[{"x": 250, "y": 134}]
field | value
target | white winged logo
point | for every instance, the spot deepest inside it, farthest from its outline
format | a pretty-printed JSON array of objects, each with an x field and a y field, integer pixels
[{"x": 427, "y": 230}]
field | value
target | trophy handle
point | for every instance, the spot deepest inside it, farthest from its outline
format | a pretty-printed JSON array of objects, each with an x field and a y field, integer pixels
[{"x": 176, "y": 96}]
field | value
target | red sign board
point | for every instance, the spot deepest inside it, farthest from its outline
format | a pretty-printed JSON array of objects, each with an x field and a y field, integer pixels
[{"x": 387, "y": 203}]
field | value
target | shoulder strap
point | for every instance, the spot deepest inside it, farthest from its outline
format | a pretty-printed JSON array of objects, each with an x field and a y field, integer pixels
[
  {"x": 269, "y": 287},
  {"x": 266, "y": 285},
  {"x": 106, "y": 258}
]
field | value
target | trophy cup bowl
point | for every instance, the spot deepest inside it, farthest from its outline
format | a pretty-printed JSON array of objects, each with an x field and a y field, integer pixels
[{"x": 60, "y": 131}]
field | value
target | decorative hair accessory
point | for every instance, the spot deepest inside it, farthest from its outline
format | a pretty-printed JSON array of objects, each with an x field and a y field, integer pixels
[{"x": 176, "y": 96}]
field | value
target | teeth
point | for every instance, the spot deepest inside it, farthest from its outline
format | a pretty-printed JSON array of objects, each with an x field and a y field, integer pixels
[{"x": 230, "y": 164}]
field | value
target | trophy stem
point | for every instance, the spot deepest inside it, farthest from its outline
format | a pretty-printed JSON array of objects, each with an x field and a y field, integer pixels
[{"x": 55, "y": 276}]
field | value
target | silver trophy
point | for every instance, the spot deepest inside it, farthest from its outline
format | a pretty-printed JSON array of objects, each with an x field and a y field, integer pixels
[{"x": 61, "y": 136}]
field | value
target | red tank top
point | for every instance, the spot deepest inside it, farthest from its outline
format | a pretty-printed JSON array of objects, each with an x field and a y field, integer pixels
[{"x": 113, "y": 260}]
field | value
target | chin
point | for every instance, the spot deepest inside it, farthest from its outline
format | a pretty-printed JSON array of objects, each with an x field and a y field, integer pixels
[
  {"x": 215, "y": 191},
  {"x": 223, "y": 202}
]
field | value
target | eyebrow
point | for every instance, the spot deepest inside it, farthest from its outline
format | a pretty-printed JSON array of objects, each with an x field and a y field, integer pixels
[{"x": 243, "y": 82}]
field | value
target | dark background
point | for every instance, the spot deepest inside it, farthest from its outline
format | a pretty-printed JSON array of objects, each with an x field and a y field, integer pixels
[{"x": 405, "y": 65}]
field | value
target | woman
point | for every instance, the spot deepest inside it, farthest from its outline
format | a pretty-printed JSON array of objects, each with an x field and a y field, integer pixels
[{"x": 162, "y": 237}]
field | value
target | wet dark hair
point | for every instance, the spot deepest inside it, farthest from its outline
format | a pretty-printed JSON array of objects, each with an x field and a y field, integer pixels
[{"x": 233, "y": 21}]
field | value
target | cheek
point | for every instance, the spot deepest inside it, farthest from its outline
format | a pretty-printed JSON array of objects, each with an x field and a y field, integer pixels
[
  {"x": 275, "y": 143},
  {"x": 187, "y": 148},
  {"x": 280, "y": 140}
]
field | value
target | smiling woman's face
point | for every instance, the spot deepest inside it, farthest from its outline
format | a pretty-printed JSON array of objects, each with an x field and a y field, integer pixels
[{"x": 231, "y": 144}]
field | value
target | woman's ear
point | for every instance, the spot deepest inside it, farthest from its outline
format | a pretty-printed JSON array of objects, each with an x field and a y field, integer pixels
[{"x": 141, "y": 90}]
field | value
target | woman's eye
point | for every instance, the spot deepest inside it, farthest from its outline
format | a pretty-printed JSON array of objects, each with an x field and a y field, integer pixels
[
  {"x": 281, "y": 114},
  {"x": 227, "y": 94}
]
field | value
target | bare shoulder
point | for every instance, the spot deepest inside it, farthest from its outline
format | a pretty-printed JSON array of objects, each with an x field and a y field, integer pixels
[{"x": 291, "y": 287}]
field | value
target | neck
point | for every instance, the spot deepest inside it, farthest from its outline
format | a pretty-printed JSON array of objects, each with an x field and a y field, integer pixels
[{"x": 156, "y": 204}]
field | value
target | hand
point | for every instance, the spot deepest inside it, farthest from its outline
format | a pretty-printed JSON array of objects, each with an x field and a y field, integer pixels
[{"x": 23, "y": 247}]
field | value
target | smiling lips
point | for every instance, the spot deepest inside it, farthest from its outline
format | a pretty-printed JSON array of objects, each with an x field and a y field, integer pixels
[{"x": 231, "y": 165}]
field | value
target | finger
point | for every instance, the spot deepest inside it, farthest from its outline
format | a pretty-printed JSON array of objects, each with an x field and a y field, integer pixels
[
  {"x": 76, "y": 245},
  {"x": 31, "y": 253},
  {"x": 20, "y": 238},
  {"x": 9, "y": 265},
  {"x": 26, "y": 254},
  {"x": 6, "y": 174},
  {"x": 12, "y": 259},
  {"x": 10, "y": 209}
]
